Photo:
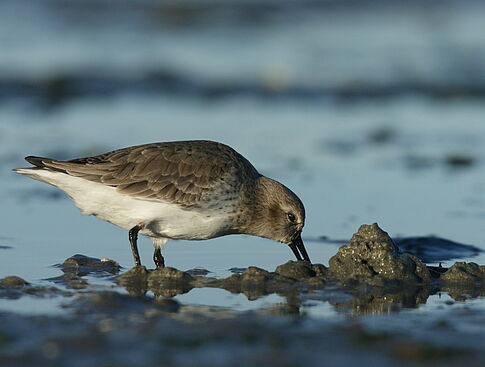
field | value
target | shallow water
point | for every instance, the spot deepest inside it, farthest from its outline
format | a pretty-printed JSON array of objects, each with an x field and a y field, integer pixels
[{"x": 340, "y": 190}]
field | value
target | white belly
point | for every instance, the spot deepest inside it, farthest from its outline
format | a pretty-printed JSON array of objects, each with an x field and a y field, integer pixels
[{"x": 160, "y": 219}]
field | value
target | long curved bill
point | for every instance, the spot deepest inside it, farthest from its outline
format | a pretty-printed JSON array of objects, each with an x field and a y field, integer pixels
[{"x": 299, "y": 250}]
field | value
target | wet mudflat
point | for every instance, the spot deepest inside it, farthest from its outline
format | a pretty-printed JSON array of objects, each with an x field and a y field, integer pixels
[
  {"x": 133, "y": 332},
  {"x": 135, "y": 319}
]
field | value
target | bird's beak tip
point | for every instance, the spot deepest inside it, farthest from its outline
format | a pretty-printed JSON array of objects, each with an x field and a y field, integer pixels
[{"x": 299, "y": 249}]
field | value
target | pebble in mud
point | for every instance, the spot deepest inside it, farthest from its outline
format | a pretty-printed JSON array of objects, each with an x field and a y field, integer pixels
[{"x": 371, "y": 257}]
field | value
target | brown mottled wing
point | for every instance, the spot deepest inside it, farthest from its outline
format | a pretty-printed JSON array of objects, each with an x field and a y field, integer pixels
[{"x": 187, "y": 173}]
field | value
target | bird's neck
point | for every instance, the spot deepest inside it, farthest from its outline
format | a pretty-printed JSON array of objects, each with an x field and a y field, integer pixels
[{"x": 258, "y": 209}]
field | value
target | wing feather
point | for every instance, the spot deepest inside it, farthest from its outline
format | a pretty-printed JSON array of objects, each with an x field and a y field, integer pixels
[{"x": 185, "y": 173}]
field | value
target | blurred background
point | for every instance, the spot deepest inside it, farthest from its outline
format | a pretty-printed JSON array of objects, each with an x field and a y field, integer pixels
[{"x": 371, "y": 111}]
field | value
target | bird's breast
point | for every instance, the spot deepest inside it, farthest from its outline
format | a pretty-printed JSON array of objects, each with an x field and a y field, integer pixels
[{"x": 191, "y": 224}]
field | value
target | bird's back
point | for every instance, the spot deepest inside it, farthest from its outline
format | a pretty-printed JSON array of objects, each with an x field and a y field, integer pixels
[{"x": 187, "y": 173}]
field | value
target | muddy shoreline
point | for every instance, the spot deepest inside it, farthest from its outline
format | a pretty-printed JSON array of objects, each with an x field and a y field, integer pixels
[
  {"x": 371, "y": 264},
  {"x": 134, "y": 318}
]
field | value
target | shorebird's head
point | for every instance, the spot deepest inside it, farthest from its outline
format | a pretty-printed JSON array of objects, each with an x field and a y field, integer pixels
[{"x": 280, "y": 216}]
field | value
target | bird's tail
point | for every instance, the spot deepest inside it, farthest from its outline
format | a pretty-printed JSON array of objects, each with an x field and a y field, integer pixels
[{"x": 38, "y": 172}]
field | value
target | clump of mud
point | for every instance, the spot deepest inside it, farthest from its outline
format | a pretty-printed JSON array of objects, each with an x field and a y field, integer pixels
[
  {"x": 13, "y": 282},
  {"x": 82, "y": 265},
  {"x": 370, "y": 268},
  {"x": 462, "y": 272},
  {"x": 134, "y": 280},
  {"x": 253, "y": 282},
  {"x": 371, "y": 257},
  {"x": 14, "y": 287},
  {"x": 77, "y": 266},
  {"x": 370, "y": 274},
  {"x": 164, "y": 282},
  {"x": 169, "y": 282}
]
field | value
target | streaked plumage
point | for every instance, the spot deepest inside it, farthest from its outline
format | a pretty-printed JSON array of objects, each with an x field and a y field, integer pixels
[{"x": 191, "y": 190}]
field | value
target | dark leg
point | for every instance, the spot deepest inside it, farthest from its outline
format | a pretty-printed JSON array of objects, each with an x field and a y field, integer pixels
[
  {"x": 133, "y": 236},
  {"x": 158, "y": 258}
]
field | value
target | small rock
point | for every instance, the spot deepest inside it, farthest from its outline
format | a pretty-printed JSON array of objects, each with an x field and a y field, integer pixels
[{"x": 13, "y": 281}]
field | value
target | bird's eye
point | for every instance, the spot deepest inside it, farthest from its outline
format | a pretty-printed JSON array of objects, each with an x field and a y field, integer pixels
[{"x": 291, "y": 217}]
